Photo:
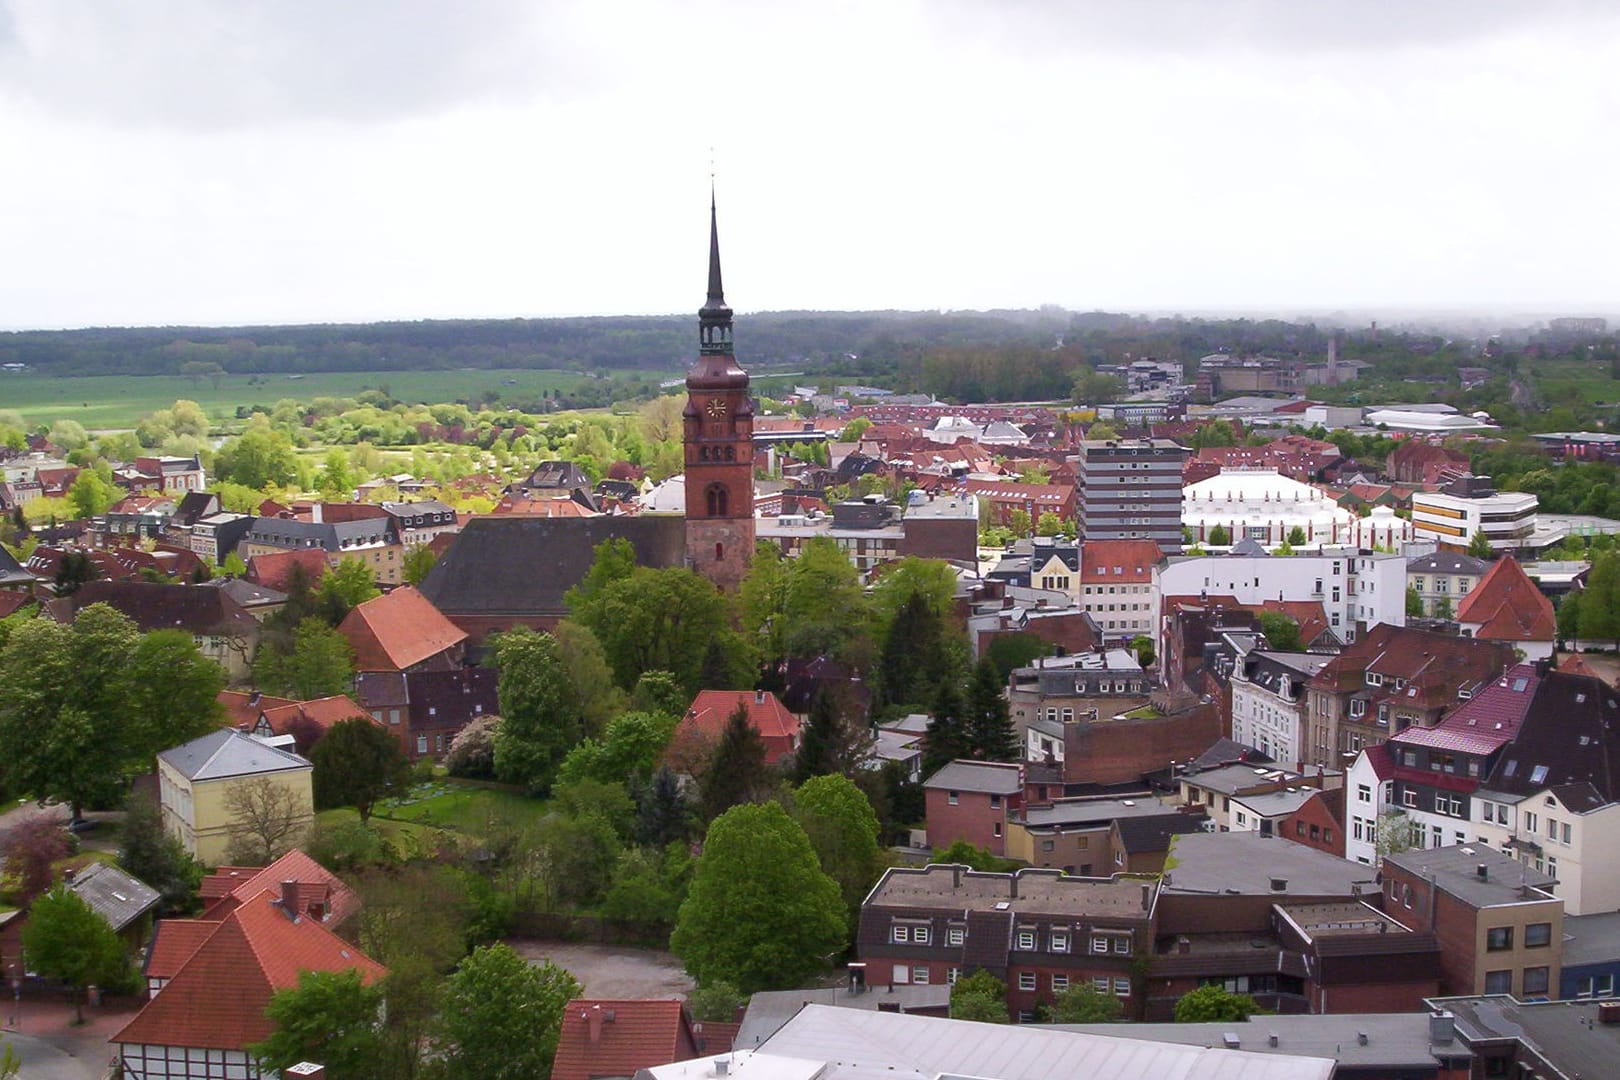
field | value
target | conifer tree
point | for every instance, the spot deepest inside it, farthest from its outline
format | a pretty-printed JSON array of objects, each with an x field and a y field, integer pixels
[
  {"x": 738, "y": 773},
  {"x": 989, "y": 728},
  {"x": 947, "y": 737}
]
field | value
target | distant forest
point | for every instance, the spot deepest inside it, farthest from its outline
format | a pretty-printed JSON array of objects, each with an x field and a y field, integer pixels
[
  {"x": 849, "y": 343},
  {"x": 961, "y": 356}
]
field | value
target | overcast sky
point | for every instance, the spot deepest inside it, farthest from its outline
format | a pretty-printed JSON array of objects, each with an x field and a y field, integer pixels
[{"x": 193, "y": 161}]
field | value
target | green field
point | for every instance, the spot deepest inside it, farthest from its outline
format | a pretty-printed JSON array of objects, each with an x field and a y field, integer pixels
[{"x": 116, "y": 401}]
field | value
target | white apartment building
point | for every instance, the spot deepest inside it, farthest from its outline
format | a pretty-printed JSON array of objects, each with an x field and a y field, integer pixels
[
  {"x": 1451, "y": 517},
  {"x": 1357, "y": 589},
  {"x": 1268, "y": 702},
  {"x": 1570, "y": 832}
]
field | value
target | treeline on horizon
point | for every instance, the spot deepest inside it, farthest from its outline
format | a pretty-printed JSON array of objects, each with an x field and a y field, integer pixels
[{"x": 963, "y": 356}]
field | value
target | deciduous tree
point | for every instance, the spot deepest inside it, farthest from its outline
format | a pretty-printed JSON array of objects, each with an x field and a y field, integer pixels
[
  {"x": 266, "y": 820},
  {"x": 760, "y": 913},
  {"x": 1211, "y": 1004},
  {"x": 502, "y": 1016},
  {"x": 980, "y": 996},
  {"x": 1083, "y": 1003},
  {"x": 843, "y": 831},
  {"x": 68, "y": 941},
  {"x": 331, "y": 1017},
  {"x": 29, "y": 851},
  {"x": 539, "y": 709},
  {"x": 319, "y": 663}
]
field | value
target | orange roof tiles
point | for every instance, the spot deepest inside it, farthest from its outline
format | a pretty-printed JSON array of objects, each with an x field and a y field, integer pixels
[
  {"x": 397, "y": 631},
  {"x": 173, "y": 943},
  {"x": 1507, "y": 606},
  {"x": 317, "y": 884},
  {"x": 242, "y": 709},
  {"x": 274, "y": 570},
  {"x": 217, "y": 997},
  {"x": 618, "y": 1038},
  {"x": 322, "y": 712}
]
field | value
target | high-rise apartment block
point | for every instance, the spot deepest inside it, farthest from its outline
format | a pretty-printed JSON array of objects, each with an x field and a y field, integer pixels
[{"x": 1130, "y": 489}]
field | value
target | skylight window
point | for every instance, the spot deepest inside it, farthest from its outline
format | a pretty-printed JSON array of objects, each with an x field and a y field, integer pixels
[
  {"x": 1538, "y": 774},
  {"x": 1511, "y": 768},
  {"x": 1519, "y": 684}
]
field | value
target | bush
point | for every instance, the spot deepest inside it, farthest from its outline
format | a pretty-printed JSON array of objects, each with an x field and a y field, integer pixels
[{"x": 472, "y": 751}]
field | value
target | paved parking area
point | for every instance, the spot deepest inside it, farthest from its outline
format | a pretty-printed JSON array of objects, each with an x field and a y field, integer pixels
[{"x": 612, "y": 971}]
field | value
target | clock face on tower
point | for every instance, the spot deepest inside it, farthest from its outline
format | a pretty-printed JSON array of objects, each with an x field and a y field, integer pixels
[{"x": 717, "y": 407}]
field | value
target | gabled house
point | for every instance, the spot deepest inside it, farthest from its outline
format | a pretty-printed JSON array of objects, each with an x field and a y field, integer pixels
[
  {"x": 319, "y": 894},
  {"x": 1443, "y": 579},
  {"x": 305, "y": 721},
  {"x": 1117, "y": 586},
  {"x": 974, "y": 801},
  {"x": 125, "y": 901},
  {"x": 1506, "y": 606},
  {"x": 425, "y": 709},
  {"x": 619, "y": 1037},
  {"x": 204, "y": 1016},
  {"x": 402, "y": 631}
]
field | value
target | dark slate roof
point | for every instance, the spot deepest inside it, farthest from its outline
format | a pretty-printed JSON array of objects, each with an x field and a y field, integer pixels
[
  {"x": 11, "y": 571},
  {"x": 1565, "y": 738},
  {"x": 446, "y": 699},
  {"x": 1146, "y": 834},
  {"x": 1226, "y": 751},
  {"x": 521, "y": 565},
  {"x": 326, "y": 535},
  {"x": 1448, "y": 562},
  {"x": 194, "y": 506},
  {"x": 1268, "y": 669}
]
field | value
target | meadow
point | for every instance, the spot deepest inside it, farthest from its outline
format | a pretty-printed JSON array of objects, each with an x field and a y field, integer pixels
[{"x": 101, "y": 402}]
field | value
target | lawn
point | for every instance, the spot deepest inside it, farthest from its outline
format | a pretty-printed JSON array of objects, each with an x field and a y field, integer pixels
[
  {"x": 463, "y": 807},
  {"x": 117, "y": 401}
]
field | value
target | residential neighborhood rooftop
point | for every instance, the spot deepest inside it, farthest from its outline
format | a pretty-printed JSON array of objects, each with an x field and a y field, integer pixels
[{"x": 224, "y": 753}]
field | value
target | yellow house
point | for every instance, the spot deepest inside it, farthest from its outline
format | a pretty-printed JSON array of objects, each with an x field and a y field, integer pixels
[{"x": 227, "y": 785}]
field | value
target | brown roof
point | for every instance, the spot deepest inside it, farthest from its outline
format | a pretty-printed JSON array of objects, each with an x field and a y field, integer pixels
[
  {"x": 196, "y": 609},
  {"x": 629, "y": 1035},
  {"x": 1507, "y": 606},
  {"x": 397, "y": 631},
  {"x": 11, "y": 602},
  {"x": 273, "y": 570},
  {"x": 1135, "y": 559},
  {"x": 1433, "y": 666},
  {"x": 218, "y": 996}
]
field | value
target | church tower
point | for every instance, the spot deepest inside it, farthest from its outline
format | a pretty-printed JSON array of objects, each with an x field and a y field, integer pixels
[{"x": 719, "y": 440}]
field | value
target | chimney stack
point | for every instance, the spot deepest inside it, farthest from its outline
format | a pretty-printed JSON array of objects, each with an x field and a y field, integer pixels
[
  {"x": 1483, "y": 872},
  {"x": 593, "y": 1024},
  {"x": 289, "y": 898},
  {"x": 759, "y": 697}
]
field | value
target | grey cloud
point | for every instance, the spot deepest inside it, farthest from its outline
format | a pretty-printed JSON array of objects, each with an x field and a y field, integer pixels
[{"x": 206, "y": 65}]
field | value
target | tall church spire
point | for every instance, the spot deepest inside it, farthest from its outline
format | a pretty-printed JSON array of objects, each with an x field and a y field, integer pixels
[{"x": 714, "y": 318}]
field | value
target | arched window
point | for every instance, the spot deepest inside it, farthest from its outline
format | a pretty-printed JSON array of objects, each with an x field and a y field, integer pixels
[
  {"x": 731, "y": 453},
  {"x": 717, "y": 500},
  {"x": 703, "y": 453}
]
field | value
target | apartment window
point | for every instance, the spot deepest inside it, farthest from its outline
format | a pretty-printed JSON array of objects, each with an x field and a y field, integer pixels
[
  {"x": 1529, "y": 822},
  {"x": 1060, "y": 941},
  {"x": 1026, "y": 980},
  {"x": 1060, "y": 983},
  {"x": 955, "y": 935},
  {"x": 902, "y": 975},
  {"x": 1026, "y": 939},
  {"x": 1499, "y": 982},
  {"x": 951, "y": 975},
  {"x": 995, "y": 828},
  {"x": 1594, "y": 986},
  {"x": 1535, "y": 981},
  {"x": 1499, "y": 938},
  {"x": 1047, "y": 845},
  {"x": 1564, "y": 833},
  {"x": 1409, "y": 798},
  {"x": 953, "y": 797},
  {"x": 995, "y": 802},
  {"x": 900, "y": 933},
  {"x": 1364, "y": 793},
  {"x": 919, "y": 975},
  {"x": 1100, "y": 983},
  {"x": 920, "y": 935},
  {"x": 421, "y": 744},
  {"x": 1122, "y": 988},
  {"x": 1538, "y": 935},
  {"x": 1122, "y": 944},
  {"x": 1099, "y": 943}
]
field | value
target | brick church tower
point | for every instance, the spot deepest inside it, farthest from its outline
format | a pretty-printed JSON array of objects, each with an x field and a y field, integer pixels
[{"x": 719, "y": 439}]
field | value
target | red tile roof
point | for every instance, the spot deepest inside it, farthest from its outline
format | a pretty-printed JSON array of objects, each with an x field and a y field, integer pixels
[
  {"x": 173, "y": 943},
  {"x": 273, "y": 570},
  {"x": 1507, "y": 606},
  {"x": 397, "y": 631},
  {"x": 1133, "y": 559},
  {"x": 629, "y": 1036},
  {"x": 321, "y": 712},
  {"x": 242, "y": 708},
  {"x": 11, "y": 602},
  {"x": 217, "y": 997},
  {"x": 711, "y": 709},
  {"x": 1574, "y": 665},
  {"x": 231, "y": 886}
]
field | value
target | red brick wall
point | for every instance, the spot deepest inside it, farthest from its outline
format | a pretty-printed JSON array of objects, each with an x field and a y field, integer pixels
[
  {"x": 1374, "y": 997},
  {"x": 973, "y": 819},
  {"x": 1122, "y": 751},
  {"x": 1297, "y": 828}
]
